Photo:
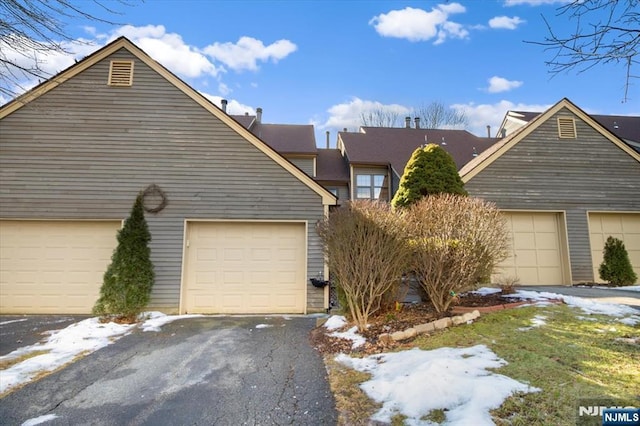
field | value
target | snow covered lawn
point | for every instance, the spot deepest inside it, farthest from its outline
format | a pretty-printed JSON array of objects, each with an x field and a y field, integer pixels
[{"x": 528, "y": 365}]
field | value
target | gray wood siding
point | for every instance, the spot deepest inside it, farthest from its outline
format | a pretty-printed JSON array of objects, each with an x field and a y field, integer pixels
[
  {"x": 84, "y": 150},
  {"x": 304, "y": 164},
  {"x": 544, "y": 172}
]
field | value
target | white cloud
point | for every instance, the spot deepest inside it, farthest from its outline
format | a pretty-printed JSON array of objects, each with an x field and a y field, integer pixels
[
  {"x": 492, "y": 114},
  {"x": 420, "y": 25},
  {"x": 532, "y": 2},
  {"x": 169, "y": 49},
  {"x": 233, "y": 106},
  {"x": 224, "y": 89},
  {"x": 506, "y": 22},
  {"x": 245, "y": 54},
  {"x": 349, "y": 114},
  {"x": 500, "y": 84}
]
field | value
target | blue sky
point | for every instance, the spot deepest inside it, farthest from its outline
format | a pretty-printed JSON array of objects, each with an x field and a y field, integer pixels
[{"x": 327, "y": 62}]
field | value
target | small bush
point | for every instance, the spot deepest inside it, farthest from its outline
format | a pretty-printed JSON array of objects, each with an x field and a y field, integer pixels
[
  {"x": 127, "y": 283},
  {"x": 616, "y": 267},
  {"x": 455, "y": 240},
  {"x": 431, "y": 170},
  {"x": 367, "y": 254}
]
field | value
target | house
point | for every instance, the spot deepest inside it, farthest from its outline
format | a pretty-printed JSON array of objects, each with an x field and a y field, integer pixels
[
  {"x": 375, "y": 157},
  {"x": 565, "y": 181},
  {"x": 237, "y": 234}
]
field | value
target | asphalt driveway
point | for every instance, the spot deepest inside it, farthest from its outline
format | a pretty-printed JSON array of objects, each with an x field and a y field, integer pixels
[{"x": 196, "y": 371}]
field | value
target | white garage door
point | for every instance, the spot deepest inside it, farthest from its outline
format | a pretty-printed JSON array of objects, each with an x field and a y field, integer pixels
[
  {"x": 49, "y": 267},
  {"x": 236, "y": 267},
  {"x": 536, "y": 250},
  {"x": 624, "y": 226}
]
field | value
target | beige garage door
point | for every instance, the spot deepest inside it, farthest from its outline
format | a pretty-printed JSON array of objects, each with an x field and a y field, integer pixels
[
  {"x": 49, "y": 267},
  {"x": 236, "y": 267},
  {"x": 536, "y": 250},
  {"x": 624, "y": 226}
]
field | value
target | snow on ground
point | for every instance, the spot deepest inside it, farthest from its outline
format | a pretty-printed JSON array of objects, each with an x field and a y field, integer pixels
[
  {"x": 63, "y": 346},
  {"x": 9, "y": 322},
  {"x": 336, "y": 322},
  {"x": 457, "y": 380},
  {"x": 536, "y": 321},
  {"x": 39, "y": 420},
  {"x": 624, "y": 314}
]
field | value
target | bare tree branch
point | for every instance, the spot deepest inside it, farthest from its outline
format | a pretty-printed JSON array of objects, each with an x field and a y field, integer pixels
[
  {"x": 435, "y": 115},
  {"x": 606, "y": 31},
  {"x": 32, "y": 30}
]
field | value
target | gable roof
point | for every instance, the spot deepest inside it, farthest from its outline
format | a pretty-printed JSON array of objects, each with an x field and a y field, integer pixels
[
  {"x": 626, "y": 127},
  {"x": 536, "y": 119},
  {"x": 387, "y": 145},
  {"x": 124, "y": 43}
]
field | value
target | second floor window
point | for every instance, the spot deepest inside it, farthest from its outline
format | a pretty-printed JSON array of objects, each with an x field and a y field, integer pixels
[{"x": 371, "y": 187}]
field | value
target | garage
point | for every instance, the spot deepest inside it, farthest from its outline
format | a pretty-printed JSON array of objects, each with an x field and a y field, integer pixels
[
  {"x": 624, "y": 226},
  {"x": 245, "y": 267},
  {"x": 536, "y": 249},
  {"x": 53, "y": 267}
]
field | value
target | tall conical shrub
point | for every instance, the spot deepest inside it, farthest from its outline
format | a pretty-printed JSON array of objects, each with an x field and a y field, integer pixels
[
  {"x": 616, "y": 267},
  {"x": 127, "y": 283},
  {"x": 430, "y": 170}
]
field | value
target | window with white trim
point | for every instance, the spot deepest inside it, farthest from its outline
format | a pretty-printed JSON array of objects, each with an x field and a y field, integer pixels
[{"x": 371, "y": 187}]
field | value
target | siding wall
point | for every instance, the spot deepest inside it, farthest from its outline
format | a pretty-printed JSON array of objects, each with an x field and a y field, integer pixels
[
  {"x": 543, "y": 172},
  {"x": 304, "y": 164},
  {"x": 84, "y": 150},
  {"x": 361, "y": 170}
]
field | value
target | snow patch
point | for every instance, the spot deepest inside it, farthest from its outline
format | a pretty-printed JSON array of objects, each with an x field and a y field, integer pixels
[
  {"x": 158, "y": 319},
  {"x": 536, "y": 321},
  {"x": 351, "y": 334},
  {"x": 484, "y": 291},
  {"x": 12, "y": 321},
  {"x": 263, "y": 326},
  {"x": 335, "y": 322},
  {"x": 39, "y": 420},
  {"x": 415, "y": 382}
]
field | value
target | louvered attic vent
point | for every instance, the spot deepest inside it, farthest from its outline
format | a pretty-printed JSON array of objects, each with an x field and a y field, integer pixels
[
  {"x": 121, "y": 73},
  {"x": 566, "y": 128}
]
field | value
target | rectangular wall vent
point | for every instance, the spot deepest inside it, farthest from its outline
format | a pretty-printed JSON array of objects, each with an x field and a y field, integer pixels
[
  {"x": 567, "y": 128},
  {"x": 121, "y": 73}
]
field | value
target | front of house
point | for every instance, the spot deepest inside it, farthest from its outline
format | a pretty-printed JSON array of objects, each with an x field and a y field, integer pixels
[
  {"x": 236, "y": 201},
  {"x": 237, "y": 234}
]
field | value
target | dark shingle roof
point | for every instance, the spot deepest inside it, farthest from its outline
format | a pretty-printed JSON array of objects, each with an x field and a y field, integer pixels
[
  {"x": 287, "y": 138},
  {"x": 386, "y": 145},
  {"x": 246, "y": 120},
  {"x": 331, "y": 166}
]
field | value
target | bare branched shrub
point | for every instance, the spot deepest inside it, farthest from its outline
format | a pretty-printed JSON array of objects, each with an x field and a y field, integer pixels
[
  {"x": 456, "y": 242},
  {"x": 367, "y": 254},
  {"x": 507, "y": 283}
]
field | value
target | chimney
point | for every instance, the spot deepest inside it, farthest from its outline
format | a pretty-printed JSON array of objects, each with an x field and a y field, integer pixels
[
  {"x": 407, "y": 122},
  {"x": 224, "y": 105},
  {"x": 417, "y": 121},
  {"x": 488, "y": 131},
  {"x": 328, "y": 139},
  {"x": 259, "y": 115},
  {"x": 503, "y": 133},
  {"x": 344, "y": 130}
]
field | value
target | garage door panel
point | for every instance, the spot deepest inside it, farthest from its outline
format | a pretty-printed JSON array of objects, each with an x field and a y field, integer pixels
[
  {"x": 256, "y": 268},
  {"x": 53, "y": 266},
  {"x": 535, "y": 256},
  {"x": 624, "y": 226}
]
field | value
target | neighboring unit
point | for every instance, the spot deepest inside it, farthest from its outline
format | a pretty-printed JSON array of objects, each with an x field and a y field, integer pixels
[
  {"x": 237, "y": 234},
  {"x": 565, "y": 182}
]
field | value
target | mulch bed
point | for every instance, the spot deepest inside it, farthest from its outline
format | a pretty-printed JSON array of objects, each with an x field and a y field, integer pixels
[{"x": 391, "y": 321}]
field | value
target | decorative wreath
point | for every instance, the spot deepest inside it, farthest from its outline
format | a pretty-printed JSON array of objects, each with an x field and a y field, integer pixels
[{"x": 153, "y": 194}]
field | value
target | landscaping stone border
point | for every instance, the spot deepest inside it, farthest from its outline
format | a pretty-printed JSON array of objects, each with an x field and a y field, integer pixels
[{"x": 442, "y": 323}]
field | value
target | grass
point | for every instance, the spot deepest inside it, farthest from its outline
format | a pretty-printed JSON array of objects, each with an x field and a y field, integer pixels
[
  {"x": 10, "y": 362},
  {"x": 571, "y": 357}
]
